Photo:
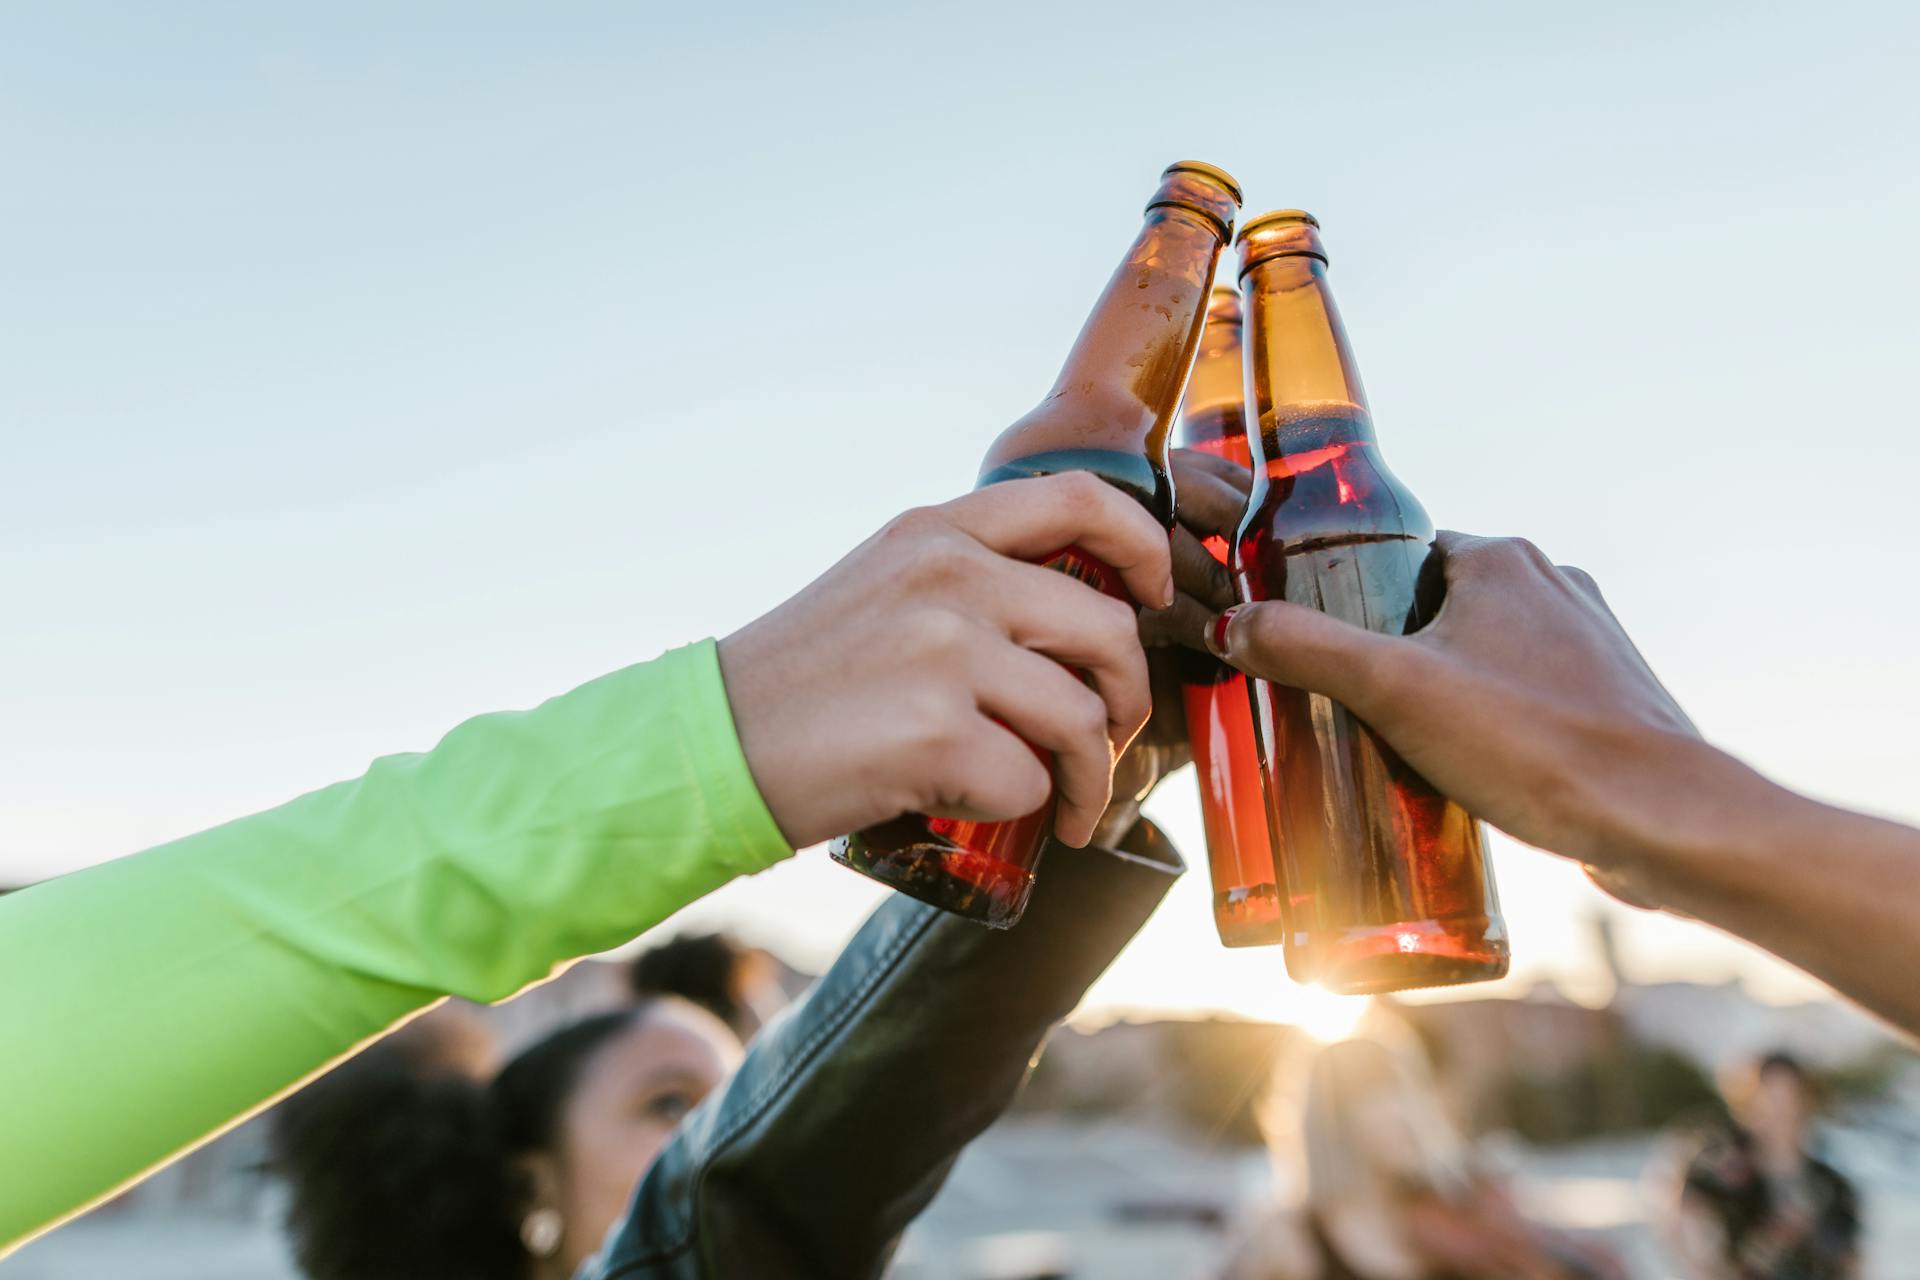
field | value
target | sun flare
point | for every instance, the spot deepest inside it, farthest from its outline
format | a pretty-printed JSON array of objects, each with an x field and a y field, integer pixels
[{"x": 1319, "y": 1013}]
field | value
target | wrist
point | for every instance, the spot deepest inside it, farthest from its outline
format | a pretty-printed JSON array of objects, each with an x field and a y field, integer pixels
[
  {"x": 1716, "y": 838},
  {"x": 757, "y": 724}
]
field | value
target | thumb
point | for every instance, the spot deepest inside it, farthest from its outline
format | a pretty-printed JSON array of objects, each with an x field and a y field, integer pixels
[{"x": 1293, "y": 645}]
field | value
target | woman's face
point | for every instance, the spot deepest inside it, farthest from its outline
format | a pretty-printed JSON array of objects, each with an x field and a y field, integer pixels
[{"x": 631, "y": 1093}]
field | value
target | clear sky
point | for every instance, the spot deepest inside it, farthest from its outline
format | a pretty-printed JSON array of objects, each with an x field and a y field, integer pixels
[{"x": 363, "y": 367}]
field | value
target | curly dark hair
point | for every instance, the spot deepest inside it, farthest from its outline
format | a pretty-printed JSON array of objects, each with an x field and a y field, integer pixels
[
  {"x": 702, "y": 967},
  {"x": 405, "y": 1170}
]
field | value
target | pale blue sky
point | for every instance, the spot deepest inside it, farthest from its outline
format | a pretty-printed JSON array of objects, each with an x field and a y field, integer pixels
[{"x": 364, "y": 369}]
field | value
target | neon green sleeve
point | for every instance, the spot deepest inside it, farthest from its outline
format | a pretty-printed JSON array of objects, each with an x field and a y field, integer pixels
[{"x": 147, "y": 1003}]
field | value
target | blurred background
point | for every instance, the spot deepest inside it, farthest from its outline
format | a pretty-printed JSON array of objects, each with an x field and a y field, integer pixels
[{"x": 362, "y": 369}]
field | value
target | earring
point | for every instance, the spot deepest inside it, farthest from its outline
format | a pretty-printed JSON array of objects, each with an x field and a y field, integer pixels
[{"x": 540, "y": 1232}]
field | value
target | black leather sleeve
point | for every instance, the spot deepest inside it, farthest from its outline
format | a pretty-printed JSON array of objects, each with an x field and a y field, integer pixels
[{"x": 850, "y": 1109}]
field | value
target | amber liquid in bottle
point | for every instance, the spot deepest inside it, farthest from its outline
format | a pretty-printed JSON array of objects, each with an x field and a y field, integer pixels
[
  {"x": 1110, "y": 412},
  {"x": 1218, "y": 702},
  {"x": 1387, "y": 880}
]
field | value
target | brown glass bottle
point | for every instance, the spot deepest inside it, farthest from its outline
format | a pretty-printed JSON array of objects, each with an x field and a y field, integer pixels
[
  {"x": 1110, "y": 412},
  {"x": 1387, "y": 880},
  {"x": 1218, "y": 702}
]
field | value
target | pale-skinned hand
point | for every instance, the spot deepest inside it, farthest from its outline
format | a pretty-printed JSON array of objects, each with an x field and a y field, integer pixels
[{"x": 904, "y": 678}]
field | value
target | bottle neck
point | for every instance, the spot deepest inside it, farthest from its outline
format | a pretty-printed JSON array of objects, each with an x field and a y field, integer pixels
[
  {"x": 1120, "y": 387},
  {"x": 1213, "y": 415},
  {"x": 1302, "y": 383}
]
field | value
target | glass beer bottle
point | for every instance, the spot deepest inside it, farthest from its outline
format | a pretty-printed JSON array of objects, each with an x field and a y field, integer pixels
[
  {"x": 1218, "y": 703},
  {"x": 1387, "y": 880},
  {"x": 1110, "y": 412}
]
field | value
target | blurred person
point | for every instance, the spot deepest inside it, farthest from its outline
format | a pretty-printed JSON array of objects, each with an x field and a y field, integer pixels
[
  {"x": 1752, "y": 1202},
  {"x": 1388, "y": 1189},
  {"x": 451, "y": 1037},
  {"x": 1525, "y": 701},
  {"x": 154, "y": 1000},
  {"x": 409, "y": 1165},
  {"x": 736, "y": 983}
]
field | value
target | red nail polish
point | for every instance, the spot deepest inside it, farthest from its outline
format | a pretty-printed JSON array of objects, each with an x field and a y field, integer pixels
[{"x": 1217, "y": 633}]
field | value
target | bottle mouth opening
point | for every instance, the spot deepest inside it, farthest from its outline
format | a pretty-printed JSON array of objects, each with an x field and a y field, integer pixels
[
  {"x": 1283, "y": 233},
  {"x": 1202, "y": 189},
  {"x": 1274, "y": 218},
  {"x": 1213, "y": 171}
]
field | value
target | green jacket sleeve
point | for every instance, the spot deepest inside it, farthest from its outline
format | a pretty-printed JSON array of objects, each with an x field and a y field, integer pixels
[{"x": 149, "y": 1002}]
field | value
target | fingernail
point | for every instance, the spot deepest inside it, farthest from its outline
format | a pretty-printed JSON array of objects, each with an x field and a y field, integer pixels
[
  {"x": 1166, "y": 597},
  {"x": 1217, "y": 633}
]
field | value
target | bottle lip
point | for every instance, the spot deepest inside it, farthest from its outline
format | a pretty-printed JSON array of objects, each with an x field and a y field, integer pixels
[
  {"x": 1202, "y": 189},
  {"x": 1213, "y": 171},
  {"x": 1303, "y": 243},
  {"x": 1277, "y": 215}
]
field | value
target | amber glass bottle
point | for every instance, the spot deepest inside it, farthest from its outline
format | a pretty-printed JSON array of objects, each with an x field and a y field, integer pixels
[
  {"x": 1246, "y": 898},
  {"x": 1110, "y": 412},
  {"x": 1387, "y": 880}
]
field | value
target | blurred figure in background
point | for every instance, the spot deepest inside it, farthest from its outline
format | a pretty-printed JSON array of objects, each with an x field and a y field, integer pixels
[
  {"x": 1386, "y": 1185},
  {"x": 1752, "y": 1202},
  {"x": 736, "y": 983},
  {"x": 415, "y": 1161}
]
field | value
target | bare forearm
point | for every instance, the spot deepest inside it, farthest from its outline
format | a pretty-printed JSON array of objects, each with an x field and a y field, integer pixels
[{"x": 1836, "y": 893}]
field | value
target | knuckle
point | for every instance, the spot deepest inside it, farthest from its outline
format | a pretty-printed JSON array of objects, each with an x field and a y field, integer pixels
[
  {"x": 937, "y": 634},
  {"x": 1260, "y": 631},
  {"x": 1079, "y": 783},
  {"x": 1480, "y": 557},
  {"x": 1014, "y": 779},
  {"x": 1088, "y": 718},
  {"x": 912, "y": 524},
  {"x": 1523, "y": 553},
  {"x": 1579, "y": 577},
  {"x": 1033, "y": 785},
  {"x": 934, "y": 560},
  {"x": 1117, "y": 621},
  {"x": 1082, "y": 489},
  {"x": 937, "y": 723}
]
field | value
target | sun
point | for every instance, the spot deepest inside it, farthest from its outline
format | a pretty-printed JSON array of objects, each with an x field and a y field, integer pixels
[
  {"x": 1198, "y": 976},
  {"x": 1317, "y": 1012}
]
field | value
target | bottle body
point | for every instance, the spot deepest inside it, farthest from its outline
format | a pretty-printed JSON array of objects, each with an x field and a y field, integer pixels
[
  {"x": 1110, "y": 412},
  {"x": 1247, "y": 908},
  {"x": 1388, "y": 885}
]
